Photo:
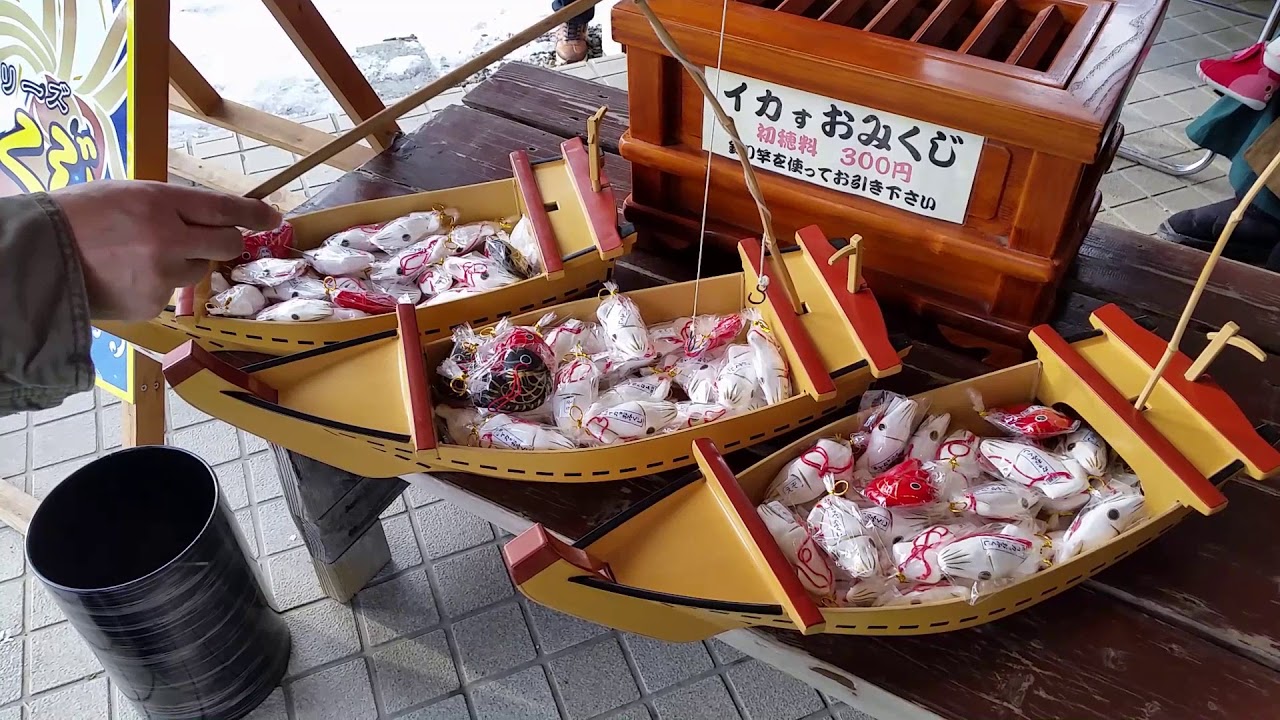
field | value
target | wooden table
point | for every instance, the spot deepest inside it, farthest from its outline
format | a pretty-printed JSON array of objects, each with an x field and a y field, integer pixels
[{"x": 1187, "y": 628}]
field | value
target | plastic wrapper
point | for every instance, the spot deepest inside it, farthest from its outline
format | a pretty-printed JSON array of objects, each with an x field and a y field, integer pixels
[
  {"x": 863, "y": 592},
  {"x": 452, "y": 373},
  {"x": 574, "y": 332},
  {"x": 409, "y": 264},
  {"x": 402, "y": 292},
  {"x": 577, "y": 385},
  {"x": 691, "y": 414},
  {"x": 504, "y": 431},
  {"x": 899, "y": 524},
  {"x": 297, "y": 310},
  {"x": 1065, "y": 505},
  {"x": 374, "y": 302},
  {"x": 412, "y": 228},
  {"x": 237, "y": 301},
  {"x": 768, "y": 361},
  {"x": 697, "y": 377},
  {"x": 356, "y": 238},
  {"x": 890, "y": 435},
  {"x": 461, "y": 425},
  {"x": 922, "y": 594},
  {"x": 960, "y": 451},
  {"x": 268, "y": 272},
  {"x": 997, "y": 500},
  {"x": 1053, "y": 475},
  {"x": 672, "y": 336},
  {"x": 434, "y": 281},
  {"x": 917, "y": 559},
  {"x": 512, "y": 372},
  {"x": 355, "y": 283},
  {"x": 631, "y": 421},
  {"x": 1100, "y": 522},
  {"x": 508, "y": 258},
  {"x": 801, "y": 550},
  {"x": 341, "y": 313},
  {"x": 818, "y": 470},
  {"x": 524, "y": 242},
  {"x": 453, "y": 294},
  {"x": 218, "y": 283},
  {"x": 614, "y": 369},
  {"x": 906, "y": 484},
  {"x": 992, "y": 554},
  {"x": 736, "y": 382},
  {"x": 1026, "y": 419},
  {"x": 471, "y": 237},
  {"x": 308, "y": 287},
  {"x": 928, "y": 437},
  {"x": 1087, "y": 448},
  {"x": 477, "y": 271},
  {"x": 849, "y": 539},
  {"x": 633, "y": 389},
  {"x": 708, "y": 332},
  {"x": 624, "y": 327},
  {"x": 338, "y": 260},
  {"x": 275, "y": 243}
]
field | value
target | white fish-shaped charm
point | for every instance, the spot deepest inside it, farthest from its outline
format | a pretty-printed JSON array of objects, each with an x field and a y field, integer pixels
[
  {"x": 736, "y": 380},
  {"x": 698, "y": 378},
  {"x": 434, "y": 280},
  {"x": 461, "y": 425},
  {"x": 405, "y": 231},
  {"x": 341, "y": 313},
  {"x": 769, "y": 363},
  {"x": 477, "y": 271},
  {"x": 671, "y": 337},
  {"x": 631, "y": 421},
  {"x": 504, "y": 431},
  {"x": 1068, "y": 504},
  {"x": 805, "y": 478},
  {"x": 997, "y": 500},
  {"x": 1054, "y": 476},
  {"x": 633, "y": 389},
  {"x": 577, "y": 383},
  {"x": 356, "y": 238},
  {"x": 810, "y": 562},
  {"x": 308, "y": 287},
  {"x": 623, "y": 326},
  {"x": 890, "y": 436},
  {"x": 708, "y": 332},
  {"x": 524, "y": 241},
  {"x": 845, "y": 535},
  {"x": 402, "y": 292},
  {"x": 468, "y": 238},
  {"x": 960, "y": 451},
  {"x": 986, "y": 556},
  {"x": 1087, "y": 448},
  {"x": 563, "y": 337},
  {"x": 917, "y": 559},
  {"x": 1101, "y": 523},
  {"x": 338, "y": 260},
  {"x": 409, "y": 264},
  {"x": 691, "y": 414},
  {"x": 456, "y": 293},
  {"x": 899, "y": 524},
  {"x": 928, "y": 437},
  {"x": 237, "y": 301},
  {"x": 218, "y": 283},
  {"x": 268, "y": 272},
  {"x": 297, "y": 310}
]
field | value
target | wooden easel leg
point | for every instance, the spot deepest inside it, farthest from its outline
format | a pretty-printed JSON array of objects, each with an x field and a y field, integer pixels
[{"x": 143, "y": 421}]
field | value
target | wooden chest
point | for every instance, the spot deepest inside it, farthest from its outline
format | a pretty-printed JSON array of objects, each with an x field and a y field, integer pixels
[{"x": 963, "y": 139}]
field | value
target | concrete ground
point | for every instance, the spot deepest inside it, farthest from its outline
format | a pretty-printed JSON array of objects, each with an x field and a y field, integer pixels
[{"x": 441, "y": 634}]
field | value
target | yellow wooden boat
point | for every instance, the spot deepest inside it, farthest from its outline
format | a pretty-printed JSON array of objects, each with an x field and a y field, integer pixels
[
  {"x": 575, "y": 226},
  {"x": 695, "y": 559},
  {"x": 365, "y": 405}
]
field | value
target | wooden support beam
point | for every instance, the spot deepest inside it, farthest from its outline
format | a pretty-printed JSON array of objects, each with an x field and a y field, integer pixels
[
  {"x": 891, "y": 16},
  {"x": 988, "y": 31},
  {"x": 144, "y": 417},
  {"x": 842, "y": 11},
  {"x": 227, "y": 181},
  {"x": 190, "y": 84},
  {"x": 307, "y": 28},
  {"x": 1039, "y": 36},
  {"x": 940, "y": 22},
  {"x": 16, "y": 507},
  {"x": 277, "y": 131}
]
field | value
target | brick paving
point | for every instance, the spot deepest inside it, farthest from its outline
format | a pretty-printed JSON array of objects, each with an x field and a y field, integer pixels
[{"x": 440, "y": 633}]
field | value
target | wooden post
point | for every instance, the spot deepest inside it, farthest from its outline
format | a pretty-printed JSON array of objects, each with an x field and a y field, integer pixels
[
  {"x": 1218, "y": 341},
  {"x": 593, "y": 146},
  {"x": 144, "y": 418},
  {"x": 853, "y": 250}
]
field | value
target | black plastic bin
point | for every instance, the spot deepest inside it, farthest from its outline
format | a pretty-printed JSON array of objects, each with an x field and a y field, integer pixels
[{"x": 144, "y": 557}]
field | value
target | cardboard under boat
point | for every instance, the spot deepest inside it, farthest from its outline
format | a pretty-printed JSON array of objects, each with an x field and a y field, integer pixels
[
  {"x": 365, "y": 405},
  {"x": 574, "y": 224},
  {"x": 695, "y": 559}
]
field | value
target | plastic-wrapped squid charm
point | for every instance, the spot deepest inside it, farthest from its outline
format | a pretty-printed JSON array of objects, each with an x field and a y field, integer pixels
[
  {"x": 623, "y": 325},
  {"x": 1056, "y": 477},
  {"x": 810, "y": 562},
  {"x": 998, "y": 500},
  {"x": 409, "y": 264},
  {"x": 994, "y": 553},
  {"x": 479, "y": 272},
  {"x": 690, "y": 414},
  {"x": 356, "y": 238},
  {"x": 846, "y": 536},
  {"x": 297, "y": 310},
  {"x": 708, "y": 332},
  {"x": 563, "y": 337},
  {"x": 890, "y": 435},
  {"x": 1087, "y": 448},
  {"x": 736, "y": 381},
  {"x": 308, "y": 287},
  {"x": 818, "y": 470},
  {"x": 697, "y": 377},
  {"x": 577, "y": 384},
  {"x": 928, "y": 437},
  {"x": 414, "y": 227},
  {"x": 631, "y": 421},
  {"x": 960, "y": 452},
  {"x": 898, "y": 524},
  {"x": 671, "y": 337},
  {"x": 237, "y": 301},
  {"x": 917, "y": 560},
  {"x": 434, "y": 281},
  {"x": 338, "y": 260},
  {"x": 402, "y": 292},
  {"x": 1100, "y": 523},
  {"x": 504, "y": 431},
  {"x": 769, "y": 363},
  {"x": 268, "y": 272},
  {"x": 471, "y": 237}
]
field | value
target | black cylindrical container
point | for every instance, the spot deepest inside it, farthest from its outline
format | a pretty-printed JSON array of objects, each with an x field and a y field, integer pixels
[{"x": 146, "y": 560}]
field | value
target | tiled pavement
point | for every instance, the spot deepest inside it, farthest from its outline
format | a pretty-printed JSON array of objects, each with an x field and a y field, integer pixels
[{"x": 441, "y": 634}]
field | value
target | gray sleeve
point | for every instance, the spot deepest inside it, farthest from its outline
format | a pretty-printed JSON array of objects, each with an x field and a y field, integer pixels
[{"x": 44, "y": 308}]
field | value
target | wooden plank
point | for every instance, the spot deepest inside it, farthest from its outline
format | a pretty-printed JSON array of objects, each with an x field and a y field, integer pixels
[
  {"x": 795, "y": 7},
  {"x": 941, "y": 21},
  {"x": 143, "y": 420},
  {"x": 190, "y": 84},
  {"x": 16, "y": 508},
  {"x": 277, "y": 131},
  {"x": 1080, "y": 655},
  {"x": 1035, "y": 42},
  {"x": 554, "y": 102},
  {"x": 989, "y": 29},
  {"x": 535, "y": 209},
  {"x": 891, "y": 16},
  {"x": 313, "y": 37},
  {"x": 842, "y": 11},
  {"x": 216, "y": 177}
]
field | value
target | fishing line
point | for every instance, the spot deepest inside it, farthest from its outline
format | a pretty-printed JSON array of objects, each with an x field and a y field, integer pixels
[{"x": 706, "y": 185}]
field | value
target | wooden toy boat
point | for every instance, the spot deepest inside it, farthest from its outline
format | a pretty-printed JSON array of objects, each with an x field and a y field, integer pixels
[
  {"x": 365, "y": 405},
  {"x": 695, "y": 559},
  {"x": 575, "y": 226}
]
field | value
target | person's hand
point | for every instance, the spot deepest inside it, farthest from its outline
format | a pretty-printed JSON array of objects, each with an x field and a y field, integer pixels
[{"x": 140, "y": 240}]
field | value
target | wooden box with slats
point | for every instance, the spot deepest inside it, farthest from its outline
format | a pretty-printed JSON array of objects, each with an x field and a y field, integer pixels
[{"x": 963, "y": 139}]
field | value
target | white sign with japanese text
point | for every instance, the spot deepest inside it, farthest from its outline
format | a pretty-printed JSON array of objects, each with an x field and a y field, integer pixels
[{"x": 912, "y": 165}]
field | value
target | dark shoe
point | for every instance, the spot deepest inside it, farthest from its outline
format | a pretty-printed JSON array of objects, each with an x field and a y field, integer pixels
[
  {"x": 571, "y": 42},
  {"x": 1252, "y": 242}
]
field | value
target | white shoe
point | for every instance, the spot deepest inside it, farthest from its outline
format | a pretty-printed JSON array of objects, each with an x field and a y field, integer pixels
[{"x": 1271, "y": 56}]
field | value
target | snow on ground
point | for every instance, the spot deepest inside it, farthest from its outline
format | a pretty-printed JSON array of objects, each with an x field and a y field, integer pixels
[{"x": 400, "y": 45}]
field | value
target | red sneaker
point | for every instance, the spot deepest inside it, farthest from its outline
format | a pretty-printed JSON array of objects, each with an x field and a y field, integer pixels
[{"x": 1244, "y": 76}]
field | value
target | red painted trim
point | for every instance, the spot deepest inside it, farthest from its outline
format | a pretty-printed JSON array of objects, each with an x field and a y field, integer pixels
[
  {"x": 183, "y": 362},
  {"x": 861, "y": 308},
  {"x": 1206, "y": 396},
  {"x": 531, "y": 195},
  {"x": 423, "y": 430},
  {"x": 1195, "y": 481},
  {"x": 601, "y": 207},
  {"x": 791, "y": 325},
  {"x": 184, "y": 305},
  {"x": 807, "y": 613},
  {"x": 535, "y": 550}
]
